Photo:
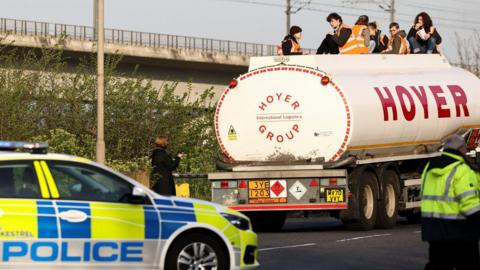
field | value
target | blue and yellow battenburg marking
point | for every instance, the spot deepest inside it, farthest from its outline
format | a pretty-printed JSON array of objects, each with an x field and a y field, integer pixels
[
  {"x": 118, "y": 230},
  {"x": 110, "y": 232},
  {"x": 174, "y": 215},
  {"x": 28, "y": 226}
]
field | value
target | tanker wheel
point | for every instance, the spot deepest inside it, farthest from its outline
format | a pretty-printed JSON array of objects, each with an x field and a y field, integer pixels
[
  {"x": 267, "y": 221},
  {"x": 388, "y": 203},
  {"x": 368, "y": 203}
]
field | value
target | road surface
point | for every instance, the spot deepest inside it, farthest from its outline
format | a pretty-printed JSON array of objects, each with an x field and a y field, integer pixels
[{"x": 323, "y": 243}]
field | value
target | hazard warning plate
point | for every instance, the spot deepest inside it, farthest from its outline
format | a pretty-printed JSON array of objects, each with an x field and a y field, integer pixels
[
  {"x": 267, "y": 191},
  {"x": 335, "y": 195}
]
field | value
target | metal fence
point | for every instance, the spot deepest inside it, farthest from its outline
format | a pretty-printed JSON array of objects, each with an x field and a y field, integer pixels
[{"x": 125, "y": 37}]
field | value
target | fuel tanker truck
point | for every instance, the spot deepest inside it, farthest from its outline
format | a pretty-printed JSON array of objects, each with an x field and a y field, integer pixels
[{"x": 345, "y": 134}]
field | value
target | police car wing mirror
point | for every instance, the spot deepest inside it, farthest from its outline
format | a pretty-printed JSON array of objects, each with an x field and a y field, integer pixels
[{"x": 138, "y": 195}]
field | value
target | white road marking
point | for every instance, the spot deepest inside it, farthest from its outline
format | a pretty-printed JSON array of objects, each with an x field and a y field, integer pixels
[
  {"x": 417, "y": 231},
  {"x": 294, "y": 246},
  {"x": 363, "y": 237}
]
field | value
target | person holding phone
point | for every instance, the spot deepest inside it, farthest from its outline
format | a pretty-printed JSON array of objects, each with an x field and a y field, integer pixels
[{"x": 162, "y": 167}]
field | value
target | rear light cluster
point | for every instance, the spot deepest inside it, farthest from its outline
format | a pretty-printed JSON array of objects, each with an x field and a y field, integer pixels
[
  {"x": 230, "y": 184},
  {"x": 224, "y": 184},
  {"x": 331, "y": 182},
  {"x": 314, "y": 182}
]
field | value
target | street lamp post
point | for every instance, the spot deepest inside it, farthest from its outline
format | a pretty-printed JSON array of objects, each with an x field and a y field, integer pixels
[{"x": 100, "y": 147}]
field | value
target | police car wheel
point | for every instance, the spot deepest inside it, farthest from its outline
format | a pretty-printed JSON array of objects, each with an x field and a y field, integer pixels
[
  {"x": 388, "y": 205},
  {"x": 197, "y": 251}
]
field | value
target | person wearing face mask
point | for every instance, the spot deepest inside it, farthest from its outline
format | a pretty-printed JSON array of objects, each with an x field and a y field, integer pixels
[
  {"x": 423, "y": 36},
  {"x": 338, "y": 38},
  {"x": 290, "y": 44}
]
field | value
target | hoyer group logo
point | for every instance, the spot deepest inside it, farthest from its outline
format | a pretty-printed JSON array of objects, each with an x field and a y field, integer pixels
[{"x": 279, "y": 116}]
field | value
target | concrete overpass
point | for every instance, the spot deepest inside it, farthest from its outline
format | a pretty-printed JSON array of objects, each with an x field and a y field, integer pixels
[{"x": 162, "y": 58}]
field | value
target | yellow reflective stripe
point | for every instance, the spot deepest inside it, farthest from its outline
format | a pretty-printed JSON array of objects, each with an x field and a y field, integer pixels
[
  {"x": 51, "y": 183},
  {"x": 18, "y": 219},
  {"x": 41, "y": 180},
  {"x": 117, "y": 221}
]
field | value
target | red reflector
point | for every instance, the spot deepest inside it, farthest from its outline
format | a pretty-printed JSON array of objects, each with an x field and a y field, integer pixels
[
  {"x": 333, "y": 181},
  {"x": 325, "y": 80},
  {"x": 349, "y": 194},
  {"x": 233, "y": 83},
  {"x": 314, "y": 183},
  {"x": 224, "y": 184},
  {"x": 243, "y": 184}
]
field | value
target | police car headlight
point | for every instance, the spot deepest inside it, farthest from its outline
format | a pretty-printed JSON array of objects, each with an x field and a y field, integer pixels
[{"x": 237, "y": 221}]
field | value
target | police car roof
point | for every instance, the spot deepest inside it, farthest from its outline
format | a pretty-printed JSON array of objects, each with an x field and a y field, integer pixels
[{"x": 11, "y": 155}]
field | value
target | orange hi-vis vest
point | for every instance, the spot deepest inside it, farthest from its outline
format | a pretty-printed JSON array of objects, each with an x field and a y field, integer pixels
[
  {"x": 404, "y": 47},
  {"x": 356, "y": 43},
  {"x": 295, "y": 47}
]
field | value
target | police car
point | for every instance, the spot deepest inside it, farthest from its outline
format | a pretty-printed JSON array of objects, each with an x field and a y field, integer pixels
[{"x": 66, "y": 212}]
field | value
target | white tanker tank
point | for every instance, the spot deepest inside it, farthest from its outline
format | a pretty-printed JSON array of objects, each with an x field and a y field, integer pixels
[{"x": 330, "y": 106}]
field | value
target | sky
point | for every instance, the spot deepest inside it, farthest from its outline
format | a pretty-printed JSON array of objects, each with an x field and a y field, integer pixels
[{"x": 258, "y": 21}]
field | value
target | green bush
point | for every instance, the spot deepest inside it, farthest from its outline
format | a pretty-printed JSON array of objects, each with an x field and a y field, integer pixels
[{"x": 43, "y": 99}]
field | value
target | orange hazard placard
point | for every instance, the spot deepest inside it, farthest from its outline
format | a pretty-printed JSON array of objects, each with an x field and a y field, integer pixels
[{"x": 267, "y": 191}]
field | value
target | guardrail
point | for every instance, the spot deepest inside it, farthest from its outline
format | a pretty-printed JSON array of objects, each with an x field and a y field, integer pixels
[{"x": 125, "y": 37}]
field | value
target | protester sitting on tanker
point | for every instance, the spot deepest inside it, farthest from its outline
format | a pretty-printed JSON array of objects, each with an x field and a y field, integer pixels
[
  {"x": 378, "y": 41},
  {"x": 337, "y": 39},
  {"x": 398, "y": 43},
  {"x": 359, "y": 40},
  {"x": 423, "y": 36},
  {"x": 290, "y": 45}
]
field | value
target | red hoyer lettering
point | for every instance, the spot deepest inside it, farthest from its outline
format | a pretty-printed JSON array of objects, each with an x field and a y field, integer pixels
[
  {"x": 408, "y": 95},
  {"x": 278, "y": 97}
]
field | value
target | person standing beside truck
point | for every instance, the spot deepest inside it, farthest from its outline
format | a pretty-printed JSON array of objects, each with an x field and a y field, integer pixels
[
  {"x": 398, "y": 43},
  {"x": 337, "y": 39},
  {"x": 290, "y": 45},
  {"x": 450, "y": 209},
  {"x": 423, "y": 36},
  {"x": 162, "y": 167}
]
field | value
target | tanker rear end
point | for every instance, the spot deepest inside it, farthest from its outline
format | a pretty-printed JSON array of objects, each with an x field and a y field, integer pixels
[{"x": 345, "y": 134}]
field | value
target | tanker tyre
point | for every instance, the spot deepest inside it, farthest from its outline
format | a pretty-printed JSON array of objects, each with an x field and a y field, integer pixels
[
  {"x": 267, "y": 221},
  {"x": 388, "y": 203},
  {"x": 368, "y": 203}
]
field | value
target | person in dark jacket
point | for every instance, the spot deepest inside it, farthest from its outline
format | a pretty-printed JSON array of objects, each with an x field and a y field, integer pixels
[
  {"x": 398, "y": 43},
  {"x": 378, "y": 41},
  {"x": 451, "y": 209},
  {"x": 340, "y": 35},
  {"x": 290, "y": 45},
  {"x": 162, "y": 166},
  {"x": 423, "y": 36}
]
